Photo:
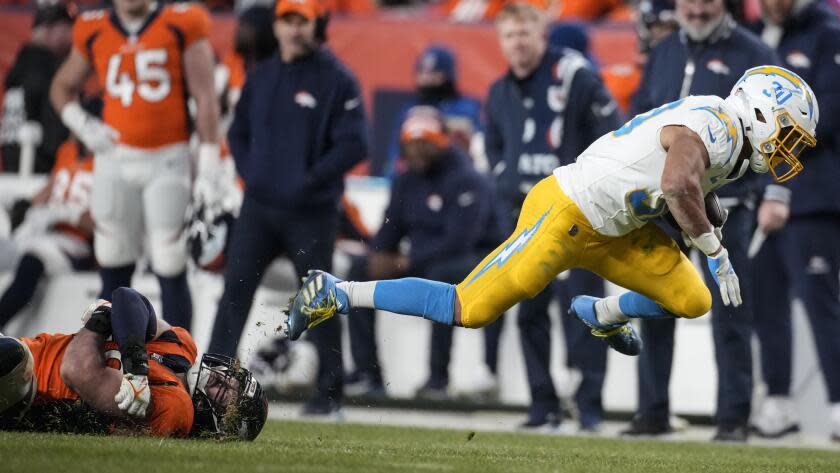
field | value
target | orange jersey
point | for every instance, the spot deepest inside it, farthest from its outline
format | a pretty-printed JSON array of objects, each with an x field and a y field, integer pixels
[
  {"x": 236, "y": 70},
  {"x": 72, "y": 182},
  {"x": 142, "y": 75},
  {"x": 171, "y": 411}
]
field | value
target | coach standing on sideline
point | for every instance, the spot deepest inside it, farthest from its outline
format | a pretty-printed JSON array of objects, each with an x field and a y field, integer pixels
[
  {"x": 542, "y": 114},
  {"x": 705, "y": 57},
  {"x": 298, "y": 127}
]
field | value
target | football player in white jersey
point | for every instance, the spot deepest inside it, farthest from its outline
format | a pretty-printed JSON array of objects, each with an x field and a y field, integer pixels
[{"x": 593, "y": 214}]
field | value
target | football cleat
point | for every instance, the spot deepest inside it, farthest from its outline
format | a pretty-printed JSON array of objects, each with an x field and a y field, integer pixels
[
  {"x": 317, "y": 300},
  {"x": 621, "y": 337}
]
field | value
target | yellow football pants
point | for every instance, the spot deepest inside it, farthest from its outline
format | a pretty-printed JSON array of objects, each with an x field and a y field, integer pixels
[{"x": 552, "y": 235}]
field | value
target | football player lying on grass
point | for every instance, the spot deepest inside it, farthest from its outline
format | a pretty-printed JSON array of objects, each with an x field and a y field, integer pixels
[{"x": 126, "y": 372}]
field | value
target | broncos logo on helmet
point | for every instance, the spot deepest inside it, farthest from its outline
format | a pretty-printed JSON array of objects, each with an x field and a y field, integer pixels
[{"x": 229, "y": 402}]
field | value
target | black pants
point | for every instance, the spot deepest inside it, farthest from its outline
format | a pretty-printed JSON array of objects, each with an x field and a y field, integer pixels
[
  {"x": 731, "y": 328},
  {"x": 803, "y": 256},
  {"x": 584, "y": 352},
  {"x": 363, "y": 333},
  {"x": 261, "y": 234}
]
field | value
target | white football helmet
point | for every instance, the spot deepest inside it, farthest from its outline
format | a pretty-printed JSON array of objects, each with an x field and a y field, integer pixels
[{"x": 780, "y": 114}]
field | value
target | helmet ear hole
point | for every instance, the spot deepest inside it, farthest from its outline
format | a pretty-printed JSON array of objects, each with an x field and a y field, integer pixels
[{"x": 759, "y": 116}]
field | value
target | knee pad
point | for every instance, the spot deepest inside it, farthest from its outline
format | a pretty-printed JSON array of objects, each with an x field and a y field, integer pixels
[
  {"x": 693, "y": 305},
  {"x": 115, "y": 248},
  {"x": 17, "y": 377},
  {"x": 479, "y": 314},
  {"x": 165, "y": 202},
  {"x": 168, "y": 253}
]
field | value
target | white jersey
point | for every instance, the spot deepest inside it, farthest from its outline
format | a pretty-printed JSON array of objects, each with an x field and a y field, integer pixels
[{"x": 616, "y": 182}]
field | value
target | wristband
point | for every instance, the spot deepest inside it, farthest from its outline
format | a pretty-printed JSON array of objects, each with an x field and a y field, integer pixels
[
  {"x": 73, "y": 116},
  {"x": 708, "y": 243},
  {"x": 209, "y": 157}
]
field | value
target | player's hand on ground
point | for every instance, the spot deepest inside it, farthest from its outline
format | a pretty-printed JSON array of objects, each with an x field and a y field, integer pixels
[
  {"x": 134, "y": 395},
  {"x": 724, "y": 274}
]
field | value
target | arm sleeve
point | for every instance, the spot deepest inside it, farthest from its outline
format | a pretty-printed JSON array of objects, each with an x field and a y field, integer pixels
[
  {"x": 825, "y": 80},
  {"x": 393, "y": 230},
  {"x": 493, "y": 138},
  {"x": 466, "y": 200},
  {"x": 195, "y": 22},
  {"x": 239, "y": 136},
  {"x": 600, "y": 114},
  {"x": 133, "y": 323},
  {"x": 347, "y": 136},
  {"x": 390, "y": 168},
  {"x": 172, "y": 411},
  {"x": 83, "y": 35},
  {"x": 716, "y": 130},
  {"x": 641, "y": 101}
]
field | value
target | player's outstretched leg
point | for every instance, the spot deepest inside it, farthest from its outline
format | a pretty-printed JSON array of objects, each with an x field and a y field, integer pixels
[
  {"x": 608, "y": 317},
  {"x": 322, "y": 295},
  {"x": 619, "y": 335}
]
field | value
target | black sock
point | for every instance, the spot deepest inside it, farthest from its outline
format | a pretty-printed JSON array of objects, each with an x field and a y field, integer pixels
[
  {"x": 112, "y": 278},
  {"x": 22, "y": 289},
  {"x": 176, "y": 300}
]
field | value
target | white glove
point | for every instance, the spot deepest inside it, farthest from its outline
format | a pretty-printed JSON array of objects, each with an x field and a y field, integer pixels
[
  {"x": 209, "y": 178},
  {"x": 718, "y": 231},
  {"x": 92, "y": 308},
  {"x": 96, "y": 135},
  {"x": 134, "y": 395},
  {"x": 725, "y": 277}
]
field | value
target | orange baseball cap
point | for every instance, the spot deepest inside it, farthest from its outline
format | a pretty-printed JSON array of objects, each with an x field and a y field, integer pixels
[
  {"x": 423, "y": 122},
  {"x": 309, "y": 9}
]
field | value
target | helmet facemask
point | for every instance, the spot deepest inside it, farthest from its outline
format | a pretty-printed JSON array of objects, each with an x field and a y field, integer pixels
[
  {"x": 780, "y": 115},
  {"x": 18, "y": 384},
  {"x": 781, "y": 151},
  {"x": 229, "y": 402}
]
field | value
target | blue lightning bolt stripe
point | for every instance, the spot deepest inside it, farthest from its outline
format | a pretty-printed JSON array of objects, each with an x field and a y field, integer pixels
[
  {"x": 511, "y": 248},
  {"x": 723, "y": 119}
]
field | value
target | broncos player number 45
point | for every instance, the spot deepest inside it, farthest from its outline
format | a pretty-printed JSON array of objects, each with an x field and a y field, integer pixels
[{"x": 152, "y": 81}]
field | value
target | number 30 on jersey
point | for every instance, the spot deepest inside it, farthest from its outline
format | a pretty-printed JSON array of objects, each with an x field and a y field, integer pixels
[{"x": 152, "y": 81}]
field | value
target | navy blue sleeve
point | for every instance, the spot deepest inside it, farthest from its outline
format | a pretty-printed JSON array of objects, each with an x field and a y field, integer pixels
[
  {"x": 465, "y": 215},
  {"x": 757, "y": 184},
  {"x": 347, "y": 135},
  {"x": 641, "y": 101},
  {"x": 390, "y": 170},
  {"x": 601, "y": 114},
  {"x": 825, "y": 80},
  {"x": 493, "y": 139},
  {"x": 133, "y": 323},
  {"x": 239, "y": 136},
  {"x": 393, "y": 229}
]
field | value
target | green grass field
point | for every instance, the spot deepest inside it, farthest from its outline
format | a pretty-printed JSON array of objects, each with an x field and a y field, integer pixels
[{"x": 293, "y": 446}]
